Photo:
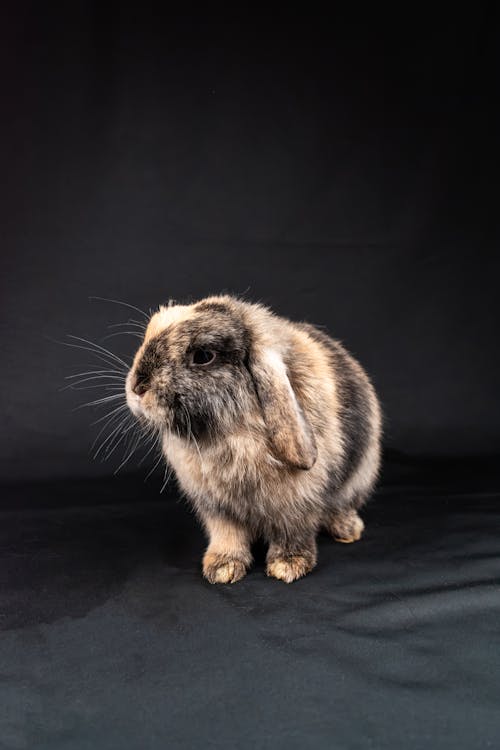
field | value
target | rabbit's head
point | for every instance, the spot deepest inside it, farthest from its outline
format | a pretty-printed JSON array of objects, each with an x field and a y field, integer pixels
[{"x": 218, "y": 366}]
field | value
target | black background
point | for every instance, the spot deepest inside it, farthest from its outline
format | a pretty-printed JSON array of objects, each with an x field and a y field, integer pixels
[{"x": 343, "y": 169}]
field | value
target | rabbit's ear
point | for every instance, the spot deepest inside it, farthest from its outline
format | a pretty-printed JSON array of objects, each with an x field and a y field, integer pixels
[{"x": 290, "y": 434}]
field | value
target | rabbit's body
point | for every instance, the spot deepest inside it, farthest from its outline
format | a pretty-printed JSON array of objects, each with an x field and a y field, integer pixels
[{"x": 283, "y": 438}]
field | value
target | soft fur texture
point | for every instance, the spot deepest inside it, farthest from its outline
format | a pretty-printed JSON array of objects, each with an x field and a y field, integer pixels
[{"x": 271, "y": 427}]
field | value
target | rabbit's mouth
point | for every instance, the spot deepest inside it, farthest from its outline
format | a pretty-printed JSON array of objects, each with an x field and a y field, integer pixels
[{"x": 144, "y": 404}]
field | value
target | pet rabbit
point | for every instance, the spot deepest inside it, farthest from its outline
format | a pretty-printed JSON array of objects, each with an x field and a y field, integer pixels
[{"x": 271, "y": 427}]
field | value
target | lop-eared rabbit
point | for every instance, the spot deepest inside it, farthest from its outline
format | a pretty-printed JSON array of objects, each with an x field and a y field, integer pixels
[{"x": 271, "y": 427}]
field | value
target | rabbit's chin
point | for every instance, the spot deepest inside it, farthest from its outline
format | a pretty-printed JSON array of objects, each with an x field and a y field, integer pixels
[{"x": 152, "y": 419}]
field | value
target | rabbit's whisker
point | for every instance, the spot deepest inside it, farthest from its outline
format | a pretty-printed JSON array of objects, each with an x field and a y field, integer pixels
[
  {"x": 134, "y": 323},
  {"x": 105, "y": 359},
  {"x": 120, "y": 373},
  {"x": 104, "y": 386},
  {"x": 120, "y": 430},
  {"x": 100, "y": 348},
  {"x": 130, "y": 453},
  {"x": 113, "y": 421},
  {"x": 97, "y": 401},
  {"x": 118, "y": 409},
  {"x": 119, "y": 302},
  {"x": 153, "y": 445},
  {"x": 155, "y": 466},
  {"x": 123, "y": 333}
]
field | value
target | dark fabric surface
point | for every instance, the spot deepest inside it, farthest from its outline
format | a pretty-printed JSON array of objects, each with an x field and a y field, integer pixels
[{"x": 111, "y": 638}]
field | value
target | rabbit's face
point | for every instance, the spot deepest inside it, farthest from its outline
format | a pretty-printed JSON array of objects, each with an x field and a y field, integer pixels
[{"x": 190, "y": 374}]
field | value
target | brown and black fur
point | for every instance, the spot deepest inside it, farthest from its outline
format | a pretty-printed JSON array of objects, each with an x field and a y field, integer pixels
[{"x": 278, "y": 436}]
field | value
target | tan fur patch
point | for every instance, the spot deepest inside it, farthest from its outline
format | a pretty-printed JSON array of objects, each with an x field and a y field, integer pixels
[
  {"x": 217, "y": 569},
  {"x": 289, "y": 569},
  {"x": 165, "y": 317},
  {"x": 226, "y": 538}
]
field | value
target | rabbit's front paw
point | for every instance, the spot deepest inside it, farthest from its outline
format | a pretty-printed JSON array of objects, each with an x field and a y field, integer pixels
[
  {"x": 290, "y": 568},
  {"x": 222, "y": 568}
]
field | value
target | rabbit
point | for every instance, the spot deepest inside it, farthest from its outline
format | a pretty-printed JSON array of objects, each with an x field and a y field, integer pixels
[{"x": 272, "y": 429}]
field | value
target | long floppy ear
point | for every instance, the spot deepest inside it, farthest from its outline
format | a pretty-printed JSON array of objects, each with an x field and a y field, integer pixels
[{"x": 290, "y": 434}]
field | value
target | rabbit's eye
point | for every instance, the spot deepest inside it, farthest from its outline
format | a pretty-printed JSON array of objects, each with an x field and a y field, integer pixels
[{"x": 202, "y": 356}]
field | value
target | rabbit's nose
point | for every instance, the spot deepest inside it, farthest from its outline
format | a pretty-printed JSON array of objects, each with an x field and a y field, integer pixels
[{"x": 140, "y": 387}]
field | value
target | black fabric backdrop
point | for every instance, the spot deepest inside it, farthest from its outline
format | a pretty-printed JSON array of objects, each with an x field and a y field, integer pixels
[{"x": 343, "y": 169}]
